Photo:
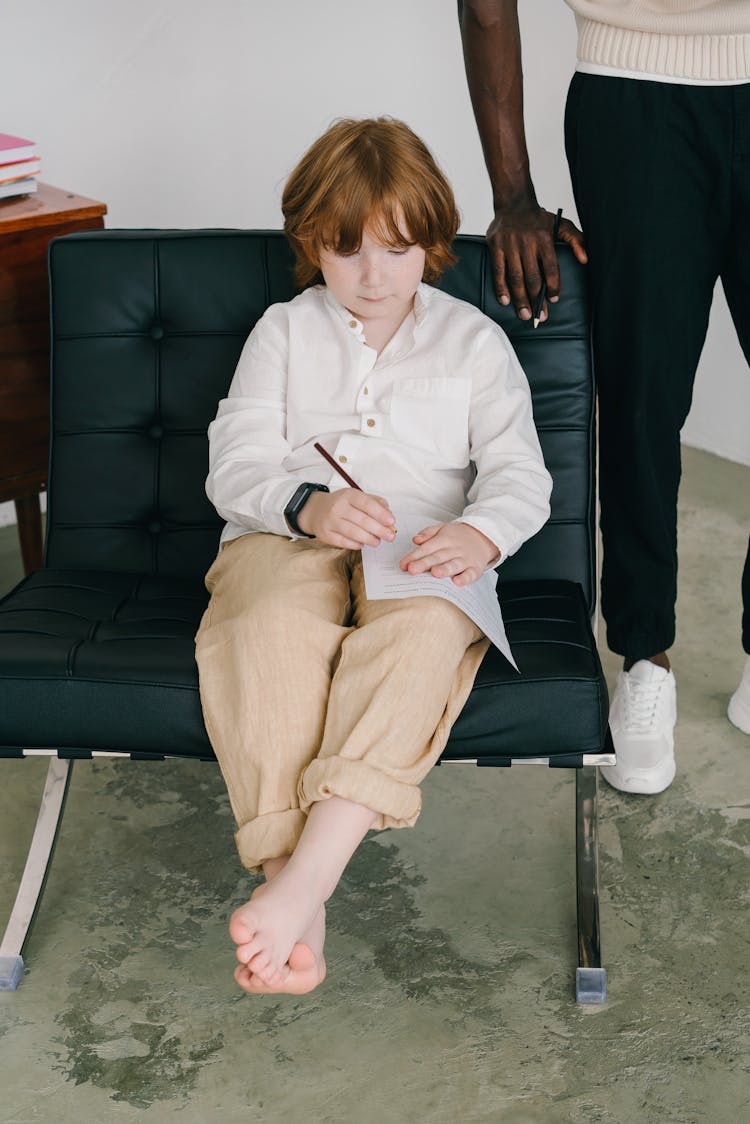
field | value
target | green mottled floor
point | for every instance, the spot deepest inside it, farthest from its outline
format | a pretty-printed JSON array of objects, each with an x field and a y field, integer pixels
[{"x": 451, "y": 949}]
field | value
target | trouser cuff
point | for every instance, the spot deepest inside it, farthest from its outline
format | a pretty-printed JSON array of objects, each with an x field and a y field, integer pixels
[
  {"x": 396, "y": 804},
  {"x": 269, "y": 837},
  {"x": 640, "y": 646}
]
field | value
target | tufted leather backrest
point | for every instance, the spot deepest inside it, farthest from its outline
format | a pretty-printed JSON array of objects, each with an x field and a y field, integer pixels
[{"x": 147, "y": 328}]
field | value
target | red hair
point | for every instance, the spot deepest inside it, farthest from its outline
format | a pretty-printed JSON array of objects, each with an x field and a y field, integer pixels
[{"x": 373, "y": 173}]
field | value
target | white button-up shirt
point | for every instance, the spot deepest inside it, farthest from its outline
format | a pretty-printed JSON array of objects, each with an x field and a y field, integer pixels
[{"x": 439, "y": 423}]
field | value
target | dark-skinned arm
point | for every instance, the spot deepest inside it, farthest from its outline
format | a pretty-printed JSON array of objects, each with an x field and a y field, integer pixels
[{"x": 520, "y": 235}]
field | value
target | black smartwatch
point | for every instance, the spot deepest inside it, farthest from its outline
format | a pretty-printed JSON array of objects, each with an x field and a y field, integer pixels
[{"x": 297, "y": 502}]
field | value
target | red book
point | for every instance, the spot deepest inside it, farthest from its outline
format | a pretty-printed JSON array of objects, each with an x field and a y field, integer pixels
[{"x": 15, "y": 148}]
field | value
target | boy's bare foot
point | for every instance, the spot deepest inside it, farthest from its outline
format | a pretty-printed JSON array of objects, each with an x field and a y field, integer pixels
[
  {"x": 281, "y": 913},
  {"x": 289, "y": 910},
  {"x": 306, "y": 971}
]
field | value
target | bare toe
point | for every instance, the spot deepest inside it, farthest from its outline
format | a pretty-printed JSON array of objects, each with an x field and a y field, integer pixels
[
  {"x": 261, "y": 963},
  {"x": 306, "y": 972},
  {"x": 246, "y": 952},
  {"x": 241, "y": 928},
  {"x": 250, "y": 982},
  {"x": 266, "y": 970}
]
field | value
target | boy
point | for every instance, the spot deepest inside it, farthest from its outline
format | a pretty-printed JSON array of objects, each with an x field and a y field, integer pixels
[{"x": 325, "y": 709}]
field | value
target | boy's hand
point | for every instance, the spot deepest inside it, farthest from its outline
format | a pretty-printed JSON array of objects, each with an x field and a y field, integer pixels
[
  {"x": 347, "y": 518},
  {"x": 451, "y": 550}
]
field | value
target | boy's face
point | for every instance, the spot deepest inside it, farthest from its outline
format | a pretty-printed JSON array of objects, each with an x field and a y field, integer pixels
[{"x": 378, "y": 282}]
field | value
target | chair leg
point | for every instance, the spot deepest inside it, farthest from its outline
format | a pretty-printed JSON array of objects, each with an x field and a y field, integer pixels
[
  {"x": 591, "y": 978},
  {"x": 35, "y": 873}
]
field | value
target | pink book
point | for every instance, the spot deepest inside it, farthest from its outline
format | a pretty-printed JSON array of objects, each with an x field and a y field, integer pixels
[{"x": 15, "y": 148}]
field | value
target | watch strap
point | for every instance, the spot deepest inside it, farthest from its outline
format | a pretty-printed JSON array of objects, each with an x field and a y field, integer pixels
[{"x": 297, "y": 502}]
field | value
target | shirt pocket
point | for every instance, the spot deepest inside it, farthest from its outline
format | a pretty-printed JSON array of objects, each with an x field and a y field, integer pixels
[{"x": 431, "y": 415}]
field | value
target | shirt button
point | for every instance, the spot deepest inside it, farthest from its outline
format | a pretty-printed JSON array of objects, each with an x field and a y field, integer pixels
[
  {"x": 342, "y": 458},
  {"x": 352, "y": 323},
  {"x": 365, "y": 391},
  {"x": 371, "y": 421}
]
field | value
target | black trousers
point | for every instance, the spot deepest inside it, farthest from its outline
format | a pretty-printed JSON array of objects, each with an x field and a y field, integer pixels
[{"x": 661, "y": 175}]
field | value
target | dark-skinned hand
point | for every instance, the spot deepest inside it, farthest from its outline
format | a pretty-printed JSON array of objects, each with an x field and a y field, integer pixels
[{"x": 523, "y": 254}]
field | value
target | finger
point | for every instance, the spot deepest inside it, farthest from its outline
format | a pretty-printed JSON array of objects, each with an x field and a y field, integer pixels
[
  {"x": 551, "y": 269},
  {"x": 356, "y": 523},
  {"x": 517, "y": 284},
  {"x": 467, "y": 576},
  {"x": 439, "y": 550},
  {"x": 369, "y": 526},
  {"x": 532, "y": 272},
  {"x": 499, "y": 274},
  {"x": 359, "y": 513},
  {"x": 355, "y": 532},
  {"x": 373, "y": 506},
  {"x": 570, "y": 234},
  {"x": 413, "y": 563},
  {"x": 348, "y": 535},
  {"x": 426, "y": 561},
  {"x": 449, "y": 569},
  {"x": 427, "y": 533}
]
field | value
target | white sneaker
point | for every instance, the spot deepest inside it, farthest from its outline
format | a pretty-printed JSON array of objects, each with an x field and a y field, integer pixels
[
  {"x": 642, "y": 719},
  {"x": 738, "y": 710}
]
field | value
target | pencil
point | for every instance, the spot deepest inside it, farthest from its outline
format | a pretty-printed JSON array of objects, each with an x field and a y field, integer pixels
[
  {"x": 339, "y": 469},
  {"x": 543, "y": 291}
]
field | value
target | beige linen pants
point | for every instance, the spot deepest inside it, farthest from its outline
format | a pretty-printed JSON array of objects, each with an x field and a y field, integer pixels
[{"x": 309, "y": 690}]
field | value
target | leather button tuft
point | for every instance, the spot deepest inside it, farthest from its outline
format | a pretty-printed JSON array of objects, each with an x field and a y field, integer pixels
[
  {"x": 156, "y": 432},
  {"x": 154, "y": 527},
  {"x": 156, "y": 332}
]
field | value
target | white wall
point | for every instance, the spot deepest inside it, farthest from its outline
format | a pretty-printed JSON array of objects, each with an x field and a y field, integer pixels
[{"x": 186, "y": 114}]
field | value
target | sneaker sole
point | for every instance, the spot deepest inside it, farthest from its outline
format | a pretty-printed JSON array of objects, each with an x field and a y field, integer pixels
[
  {"x": 738, "y": 714},
  {"x": 645, "y": 782}
]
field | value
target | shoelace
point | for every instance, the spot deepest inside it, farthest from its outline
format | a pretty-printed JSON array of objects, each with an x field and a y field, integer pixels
[{"x": 642, "y": 705}]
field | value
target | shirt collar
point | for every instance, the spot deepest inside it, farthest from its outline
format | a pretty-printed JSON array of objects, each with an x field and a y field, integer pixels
[
  {"x": 421, "y": 303},
  {"x": 353, "y": 325}
]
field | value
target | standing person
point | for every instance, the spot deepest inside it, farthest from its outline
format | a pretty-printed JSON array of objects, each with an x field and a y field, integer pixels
[
  {"x": 326, "y": 710},
  {"x": 657, "y": 134}
]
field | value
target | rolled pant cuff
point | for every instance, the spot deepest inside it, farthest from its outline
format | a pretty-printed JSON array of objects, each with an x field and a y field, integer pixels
[
  {"x": 269, "y": 837},
  {"x": 397, "y": 804}
]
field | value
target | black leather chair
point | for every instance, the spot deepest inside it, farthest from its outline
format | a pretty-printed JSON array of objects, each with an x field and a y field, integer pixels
[{"x": 96, "y": 648}]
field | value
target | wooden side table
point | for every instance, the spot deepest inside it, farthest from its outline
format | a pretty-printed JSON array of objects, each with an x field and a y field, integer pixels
[{"x": 27, "y": 224}]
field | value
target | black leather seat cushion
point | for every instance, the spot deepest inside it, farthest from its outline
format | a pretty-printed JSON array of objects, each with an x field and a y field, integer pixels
[
  {"x": 112, "y": 654},
  {"x": 102, "y": 661}
]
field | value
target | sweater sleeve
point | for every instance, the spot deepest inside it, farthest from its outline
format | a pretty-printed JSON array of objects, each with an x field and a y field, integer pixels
[
  {"x": 508, "y": 501},
  {"x": 247, "y": 444}
]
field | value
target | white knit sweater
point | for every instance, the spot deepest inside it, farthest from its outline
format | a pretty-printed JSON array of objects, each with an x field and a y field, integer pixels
[{"x": 694, "y": 40}]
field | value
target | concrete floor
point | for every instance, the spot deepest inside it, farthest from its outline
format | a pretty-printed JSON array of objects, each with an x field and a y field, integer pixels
[{"x": 451, "y": 949}]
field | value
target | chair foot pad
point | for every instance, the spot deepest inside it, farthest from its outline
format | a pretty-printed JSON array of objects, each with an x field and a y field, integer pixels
[
  {"x": 591, "y": 985},
  {"x": 11, "y": 972}
]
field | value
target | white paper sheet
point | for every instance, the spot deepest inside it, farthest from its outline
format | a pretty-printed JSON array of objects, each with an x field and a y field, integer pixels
[{"x": 384, "y": 578}]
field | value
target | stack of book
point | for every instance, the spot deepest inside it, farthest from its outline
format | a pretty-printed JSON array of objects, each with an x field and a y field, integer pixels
[{"x": 19, "y": 165}]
